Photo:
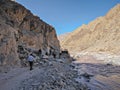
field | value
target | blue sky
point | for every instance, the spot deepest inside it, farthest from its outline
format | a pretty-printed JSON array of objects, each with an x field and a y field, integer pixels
[{"x": 67, "y": 15}]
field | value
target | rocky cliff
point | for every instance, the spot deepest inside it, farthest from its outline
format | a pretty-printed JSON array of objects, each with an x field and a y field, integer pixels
[
  {"x": 20, "y": 29},
  {"x": 102, "y": 34}
]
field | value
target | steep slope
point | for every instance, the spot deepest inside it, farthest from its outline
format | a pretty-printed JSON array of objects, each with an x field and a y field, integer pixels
[
  {"x": 102, "y": 34},
  {"x": 62, "y": 37},
  {"x": 20, "y": 28}
]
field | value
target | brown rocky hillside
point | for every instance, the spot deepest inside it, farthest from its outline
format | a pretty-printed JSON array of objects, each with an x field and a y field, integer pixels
[
  {"x": 102, "y": 34},
  {"x": 62, "y": 37},
  {"x": 20, "y": 30}
]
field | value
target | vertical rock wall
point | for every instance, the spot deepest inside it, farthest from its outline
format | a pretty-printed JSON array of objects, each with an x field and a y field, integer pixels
[{"x": 21, "y": 28}]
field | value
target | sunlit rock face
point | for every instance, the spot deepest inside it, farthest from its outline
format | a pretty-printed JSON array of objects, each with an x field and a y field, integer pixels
[
  {"x": 102, "y": 34},
  {"x": 19, "y": 27}
]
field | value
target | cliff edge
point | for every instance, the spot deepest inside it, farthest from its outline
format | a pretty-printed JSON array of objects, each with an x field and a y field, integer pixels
[{"x": 20, "y": 29}]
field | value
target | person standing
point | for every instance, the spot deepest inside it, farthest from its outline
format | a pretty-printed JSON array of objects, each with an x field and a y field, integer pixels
[
  {"x": 40, "y": 53},
  {"x": 30, "y": 60}
]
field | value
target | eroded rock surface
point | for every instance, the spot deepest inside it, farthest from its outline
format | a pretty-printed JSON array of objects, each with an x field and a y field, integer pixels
[{"x": 19, "y": 27}]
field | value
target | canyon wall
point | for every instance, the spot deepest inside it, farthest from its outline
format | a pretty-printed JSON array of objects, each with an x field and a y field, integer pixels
[
  {"x": 100, "y": 35},
  {"x": 20, "y": 28}
]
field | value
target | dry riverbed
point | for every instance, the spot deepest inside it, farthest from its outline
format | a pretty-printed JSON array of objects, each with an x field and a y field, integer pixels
[
  {"x": 88, "y": 72},
  {"x": 96, "y": 72}
]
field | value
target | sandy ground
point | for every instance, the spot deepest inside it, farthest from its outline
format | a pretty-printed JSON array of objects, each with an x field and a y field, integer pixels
[
  {"x": 12, "y": 79},
  {"x": 96, "y": 74}
]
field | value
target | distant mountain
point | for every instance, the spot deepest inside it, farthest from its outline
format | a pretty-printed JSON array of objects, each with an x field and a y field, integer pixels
[
  {"x": 102, "y": 34},
  {"x": 62, "y": 37}
]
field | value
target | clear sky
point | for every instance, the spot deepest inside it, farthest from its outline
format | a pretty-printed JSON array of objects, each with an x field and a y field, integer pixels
[{"x": 67, "y": 15}]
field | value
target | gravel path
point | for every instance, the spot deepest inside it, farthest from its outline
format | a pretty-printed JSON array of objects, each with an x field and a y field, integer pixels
[
  {"x": 50, "y": 75},
  {"x": 87, "y": 73}
]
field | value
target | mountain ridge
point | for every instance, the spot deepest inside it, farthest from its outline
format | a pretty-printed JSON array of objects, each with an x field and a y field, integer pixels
[{"x": 101, "y": 34}]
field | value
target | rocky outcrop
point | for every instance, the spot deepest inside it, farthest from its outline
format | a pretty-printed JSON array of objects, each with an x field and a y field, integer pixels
[
  {"x": 20, "y": 28},
  {"x": 102, "y": 34}
]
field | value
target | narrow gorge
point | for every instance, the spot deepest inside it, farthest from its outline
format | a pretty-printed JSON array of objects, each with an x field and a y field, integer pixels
[{"x": 86, "y": 59}]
